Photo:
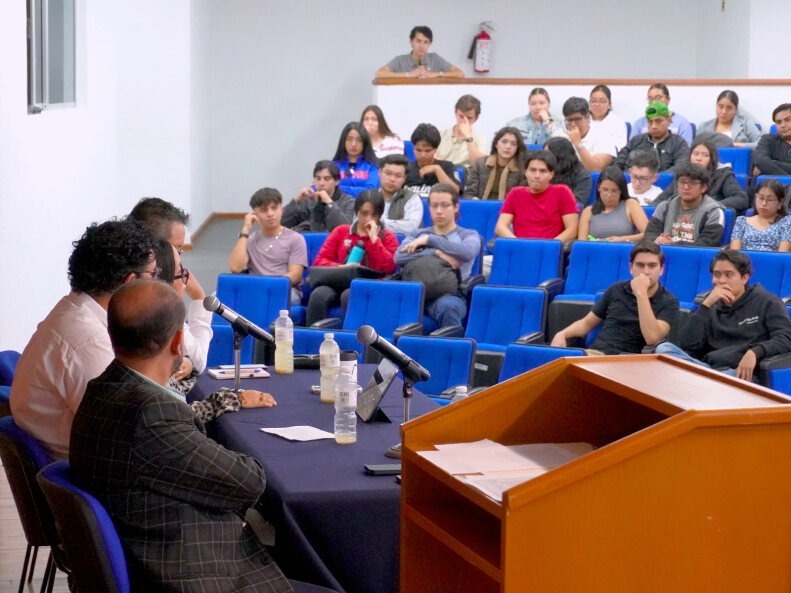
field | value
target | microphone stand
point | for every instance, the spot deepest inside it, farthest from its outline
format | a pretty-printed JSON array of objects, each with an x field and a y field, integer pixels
[
  {"x": 407, "y": 387},
  {"x": 238, "y": 336}
]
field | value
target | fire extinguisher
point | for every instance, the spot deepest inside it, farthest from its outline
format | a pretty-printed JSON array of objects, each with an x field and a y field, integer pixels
[{"x": 480, "y": 51}]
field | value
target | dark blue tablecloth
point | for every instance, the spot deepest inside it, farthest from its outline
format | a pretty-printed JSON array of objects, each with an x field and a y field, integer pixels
[{"x": 335, "y": 525}]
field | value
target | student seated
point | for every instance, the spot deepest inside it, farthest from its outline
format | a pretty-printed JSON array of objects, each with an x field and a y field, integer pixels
[
  {"x": 614, "y": 216},
  {"x": 736, "y": 325},
  {"x": 643, "y": 165},
  {"x": 493, "y": 176},
  {"x": 739, "y": 127},
  {"x": 273, "y": 250},
  {"x": 772, "y": 155},
  {"x": 539, "y": 124},
  {"x": 320, "y": 207},
  {"x": 569, "y": 170},
  {"x": 679, "y": 125},
  {"x": 595, "y": 147},
  {"x": 403, "y": 211},
  {"x": 540, "y": 210},
  {"x": 356, "y": 160},
  {"x": 460, "y": 144},
  {"x": 427, "y": 170},
  {"x": 671, "y": 149},
  {"x": 419, "y": 63},
  {"x": 603, "y": 117},
  {"x": 383, "y": 139},
  {"x": 769, "y": 229}
]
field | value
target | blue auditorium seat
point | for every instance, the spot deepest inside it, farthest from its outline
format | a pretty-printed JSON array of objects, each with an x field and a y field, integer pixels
[{"x": 739, "y": 157}]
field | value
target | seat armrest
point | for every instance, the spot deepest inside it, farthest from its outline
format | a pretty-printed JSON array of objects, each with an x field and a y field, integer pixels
[
  {"x": 471, "y": 282},
  {"x": 553, "y": 286},
  {"x": 451, "y": 391},
  {"x": 413, "y": 328},
  {"x": 787, "y": 300},
  {"x": 531, "y": 338},
  {"x": 329, "y": 323},
  {"x": 449, "y": 331},
  {"x": 779, "y": 361},
  {"x": 700, "y": 297}
]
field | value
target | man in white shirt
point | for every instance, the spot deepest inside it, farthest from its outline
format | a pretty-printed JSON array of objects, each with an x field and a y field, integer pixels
[
  {"x": 643, "y": 165},
  {"x": 71, "y": 346},
  {"x": 459, "y": 144},
  {"x": 594, "y": 146}
]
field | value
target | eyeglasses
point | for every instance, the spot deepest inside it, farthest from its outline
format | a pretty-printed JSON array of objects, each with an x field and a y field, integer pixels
[
  {"x": 184, "y": 276},
  {"x": 641, "y": 178},
  {"x": 574, "y": 120},
  {"x": 688, "y": 182},
  {"x": 598, "y": 101},
  {"x": 151, "y": 273},
  {"x": 766, "y": 200},
  {"x": 655, "y": 98}
]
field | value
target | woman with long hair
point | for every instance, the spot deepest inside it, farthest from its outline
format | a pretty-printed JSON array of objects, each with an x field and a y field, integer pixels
[
  {"x": 769, "y": 229},
  {"x": 738, "y": 126},
  {"x": 356, "y": 160},
  {"x": 614, "y": 216},
  {"x": 569, "y": 170},
  {"x": 493, "y": 176},
  {"x": 383, "y": 139},
  {"x": 539, "y": 124},
  {"x": 603, "y": 117}
]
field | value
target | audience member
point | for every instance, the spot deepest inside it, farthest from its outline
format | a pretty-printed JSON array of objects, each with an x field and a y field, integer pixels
[
  {"x": 378, "y": 244},
  {"x": 493, "y": 176},
  {"x": 539, "y": 124},
  {"x": 172, "y": 493},
  {"x": 71, "y": 346},
  {"x": 168, "y": 222},
  {"x": 723, "y": 187},
  {"x": 736, "y": 325},
  {"x": 449, "y": 242},
  {"x": 769, "y": 229},
  {"x": 356, "y": 160},
  {"x": 419, "y": 63},
  {"x": 403, "y": 210},
  {"x": 643, "y": 165},
  {"x": 632, "y": 313},
  {"x": 320, "y": 207},
  {"x": 772, "y": 155},
  {"x": 427, "y": 170},
  {"x": 569, "y": 170},
  {"x": 540, "y": 210},
  {"x": 273, "y": 250},
  {"x": 679, "y": 125},
  {"x": 594, "y": 146},
  {"x": 614, "y": 216},
  {"x": 670, "y": 148},
  {"x": 383, "y": 139},
  {"x": 460, "y": 144},
  {"x": 739, "y": 127},
  {"x": 603, "y": 117},
  {"x": 691, "y": 217}
]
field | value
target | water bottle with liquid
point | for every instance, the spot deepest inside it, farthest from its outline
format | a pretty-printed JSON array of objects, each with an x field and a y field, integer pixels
[
  {"x": 284, "y": 344},
  {"x": 345, "y": 408},
  {"x": 329, "y": 363}
]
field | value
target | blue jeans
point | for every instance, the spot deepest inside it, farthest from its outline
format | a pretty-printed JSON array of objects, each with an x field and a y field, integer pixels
[
  {"x": 673, "y": 350},
  {"x": 447, "y": 310}
]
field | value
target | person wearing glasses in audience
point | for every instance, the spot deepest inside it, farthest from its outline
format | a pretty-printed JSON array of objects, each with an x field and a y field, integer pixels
[
  {"x": 670, "y": 148},
  {"x": 596, "y": 148},
  {"x": 273, "y": 250},
  {"x": 739, "y": 127},
  {"x": 769, "y": 229},
  {"x": 71, "y": 346},
  {"x": 679, "y": 125},
  {"x": 643, "y": 164},
  {"x": 419, "y": 63},
  {"x": 723, "y": 187},
  {"x": 614, "y": 216},
  {"x": 603, "y": 117},
  {"x": 691, "y": 217}
]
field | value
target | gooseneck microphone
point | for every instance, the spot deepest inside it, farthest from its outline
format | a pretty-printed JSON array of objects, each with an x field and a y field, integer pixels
[
  {"x": 239, "y": 323},
  {"x": 409, "y": 367}
]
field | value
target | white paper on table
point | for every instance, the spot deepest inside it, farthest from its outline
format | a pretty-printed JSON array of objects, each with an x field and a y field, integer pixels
[
  {"x": 300, "y": 433},
  {"x": 494, "y": 484}
]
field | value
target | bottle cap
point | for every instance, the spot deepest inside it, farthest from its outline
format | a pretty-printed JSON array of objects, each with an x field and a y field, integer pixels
[
  {"x": 329, "y": 336},
  {"x": 284, "y": 312}
]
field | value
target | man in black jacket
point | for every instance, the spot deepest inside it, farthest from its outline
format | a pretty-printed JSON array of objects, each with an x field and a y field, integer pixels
[
  {"x": 736, "y": 325},
  {"x": 671, "y": 149},
  {"x": 772, "y": 156}
]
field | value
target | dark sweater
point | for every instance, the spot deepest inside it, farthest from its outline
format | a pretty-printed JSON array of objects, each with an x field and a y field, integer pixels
[
  {"x": 772, "y": 156},
  {"x": 672, "y": 151}
]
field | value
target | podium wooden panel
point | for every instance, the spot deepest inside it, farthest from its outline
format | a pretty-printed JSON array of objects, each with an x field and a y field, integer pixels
[{"x": 688, "y": 489}]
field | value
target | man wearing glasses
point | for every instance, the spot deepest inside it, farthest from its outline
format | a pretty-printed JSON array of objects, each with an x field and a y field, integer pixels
[
  {"x": 671, "y": 149},
  {"x": 71, "y": 346},
  {"x": 691, "y": 217},
  {"x": 594, "y": 146}
]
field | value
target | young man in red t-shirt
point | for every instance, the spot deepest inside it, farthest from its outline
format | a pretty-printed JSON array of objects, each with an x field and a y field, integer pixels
[{"x": 541, "y": 210}]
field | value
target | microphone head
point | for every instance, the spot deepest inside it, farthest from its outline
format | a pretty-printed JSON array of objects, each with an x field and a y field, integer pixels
[
  {"x": 366, "y": 335},
  {"x": 211, "y": 303}
]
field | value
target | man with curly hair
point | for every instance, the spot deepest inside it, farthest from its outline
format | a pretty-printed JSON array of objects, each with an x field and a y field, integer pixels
[{"x": 71, "y": 346}]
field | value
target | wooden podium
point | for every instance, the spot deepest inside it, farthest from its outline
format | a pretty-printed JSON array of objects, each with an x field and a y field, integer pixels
[{"x": 688, "y": 489}]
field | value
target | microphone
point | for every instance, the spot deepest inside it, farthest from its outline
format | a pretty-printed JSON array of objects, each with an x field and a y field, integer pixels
[
  {"x": 239, "y": 323},
  {"x": 409, "y": 367}
]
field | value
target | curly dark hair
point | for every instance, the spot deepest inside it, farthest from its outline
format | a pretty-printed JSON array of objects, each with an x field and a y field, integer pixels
[
  {"x": 158, "y": 215},
  {"x": 107, "y": 253}
]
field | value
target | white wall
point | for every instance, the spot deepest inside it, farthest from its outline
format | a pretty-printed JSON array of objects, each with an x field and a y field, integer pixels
[{"x": 768, "y": 29}]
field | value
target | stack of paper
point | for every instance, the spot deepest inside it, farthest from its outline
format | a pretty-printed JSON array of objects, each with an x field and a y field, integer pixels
[{"x": 493, "y": 468}]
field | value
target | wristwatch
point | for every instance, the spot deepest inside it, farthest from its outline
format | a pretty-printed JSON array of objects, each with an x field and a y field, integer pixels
[
  {"x": 468, "y": 140},
  {"x": 244, "y": 235}
]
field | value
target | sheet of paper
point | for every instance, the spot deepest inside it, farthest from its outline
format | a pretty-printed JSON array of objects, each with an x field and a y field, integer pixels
[
  {"x": 493, "y": 485},
  {"x": 300, "y": 433},
  {"x": 479, "y": 457}
]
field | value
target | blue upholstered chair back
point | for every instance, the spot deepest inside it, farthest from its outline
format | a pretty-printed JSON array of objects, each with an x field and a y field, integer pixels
[
  {"x": 499, "y": 316},
  {"x": 8, "y": 362},
  {"x": 594, "y": 266},
  {"x": 772, "y": 270},
  {"x": 308, "y": 341},
  {"x": 314, "y": 242},
  {"x": 740, "y": 158},
  {"x": 526, "y": 262},
  {"x": 687, "y": 272},
  {"x": 258, "y": 298},
  {"x": 520, "y": 358},
  {"x": 383, "y": 304},
  {"x": 87, "y": 532},
  {"x": 480, "y": 215},
  {"x": 449, "y": 360}
]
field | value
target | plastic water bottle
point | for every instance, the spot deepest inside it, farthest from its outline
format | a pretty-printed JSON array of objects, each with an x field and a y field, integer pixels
[
  {"x": 345, "y": 408},
  {"x": 284, "y": 344},
  {"x": 329, "y": 363},
  {"x": 461, "y": 393}
]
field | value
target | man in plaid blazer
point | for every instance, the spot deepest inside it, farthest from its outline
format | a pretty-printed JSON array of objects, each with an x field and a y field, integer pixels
[{"x": 175, "y": 496}]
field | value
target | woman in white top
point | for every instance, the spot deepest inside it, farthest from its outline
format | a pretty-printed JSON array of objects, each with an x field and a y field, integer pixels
[
  {"x": 383, "y": 139},
  {"x": 602, "y": 115},
  {"x": 739, "y": 127}
]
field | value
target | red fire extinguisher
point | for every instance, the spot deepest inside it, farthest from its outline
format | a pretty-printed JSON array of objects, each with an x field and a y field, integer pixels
[{"x": 480, "y": 52}]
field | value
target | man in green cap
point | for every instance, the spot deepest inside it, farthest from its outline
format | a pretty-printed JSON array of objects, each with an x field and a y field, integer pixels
[{"x": 671, "y": 149}]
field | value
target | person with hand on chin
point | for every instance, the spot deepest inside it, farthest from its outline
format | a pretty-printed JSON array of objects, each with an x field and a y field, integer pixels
[
  {"x": 736, "y": 325},
  {"x": 459, "y": 144},
  {"x": 419, "y": 63}
]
